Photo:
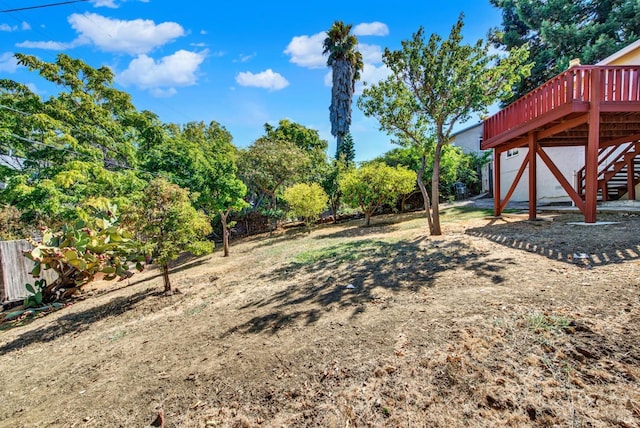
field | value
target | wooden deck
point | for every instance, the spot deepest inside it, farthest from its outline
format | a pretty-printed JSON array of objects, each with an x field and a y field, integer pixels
[{"x": 597, "y": 107}]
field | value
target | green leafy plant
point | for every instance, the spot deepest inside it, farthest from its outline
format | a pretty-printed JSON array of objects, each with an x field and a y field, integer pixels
[
  {"x": 306, "y": 201},
  {"x": 375, "y": 184},
  {"x": 35, "y": 299},
  {"x": 78, "y": 253}
]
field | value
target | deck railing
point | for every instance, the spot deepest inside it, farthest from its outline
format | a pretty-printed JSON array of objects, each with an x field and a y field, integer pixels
[{"x": 617, "y": 84}]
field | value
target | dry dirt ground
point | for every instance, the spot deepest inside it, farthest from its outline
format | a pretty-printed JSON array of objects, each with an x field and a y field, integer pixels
[{"x": 496, "y": 323}]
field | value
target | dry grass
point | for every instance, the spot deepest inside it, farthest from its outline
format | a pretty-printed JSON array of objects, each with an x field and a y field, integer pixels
[{"x": 492, "y": 324}]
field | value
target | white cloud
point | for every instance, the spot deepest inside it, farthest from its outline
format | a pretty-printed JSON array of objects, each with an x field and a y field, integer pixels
[
  {"x": 266, "y": 79},
  {"x": 33, "y": 88},
  {"x": 105, "y": 3},
  {"x": 24, "y": 25},
  {"x": 161, "y": 77},
  {"x": 371, "y": 74},
  {"x": 8, "y": 62},
  {"x": 111, "y": 3},
  {"x": 163, "y": 93},
  {"x": 50, "y": 45},
  {"x": 245, "y": 58},
  {"x": 371, "y": 29},
  {"x": 134, "y": 37},
  {"x": 306, "y": 51},
  {"x": 370, "y": 53}
]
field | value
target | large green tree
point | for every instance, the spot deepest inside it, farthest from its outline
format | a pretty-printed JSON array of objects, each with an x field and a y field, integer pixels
[
  {"x": 346, "y": 64},
  {"x": 267, "y": 166},
  {"x": 435, "y": 84},
  {"x": 201, "y": 158},
  {"x": 306, "y": 139},
  {"x": 76, "y": 145},
  {"x": 556, "y": 31}
]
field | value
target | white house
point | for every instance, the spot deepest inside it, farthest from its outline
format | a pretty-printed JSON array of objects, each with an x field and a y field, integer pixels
[{"x": 469, "y": 140}]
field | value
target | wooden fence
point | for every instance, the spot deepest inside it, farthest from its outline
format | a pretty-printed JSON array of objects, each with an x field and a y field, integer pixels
[{"x": 15, "y": 271}]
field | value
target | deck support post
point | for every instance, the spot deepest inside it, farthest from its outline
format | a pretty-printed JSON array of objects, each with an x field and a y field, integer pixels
[
  {"x": 497, "y": 203},
  {"x": 591, "y": 152},
  {"x": 533, "y": 175},
  {"x": 631, "y": 175}
]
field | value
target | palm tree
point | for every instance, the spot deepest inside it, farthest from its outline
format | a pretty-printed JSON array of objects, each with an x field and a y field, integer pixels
[{"x": 346, "y": 63}]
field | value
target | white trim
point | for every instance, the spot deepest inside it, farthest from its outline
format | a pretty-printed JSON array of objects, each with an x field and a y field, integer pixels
[{"x": 608, "y": 60}]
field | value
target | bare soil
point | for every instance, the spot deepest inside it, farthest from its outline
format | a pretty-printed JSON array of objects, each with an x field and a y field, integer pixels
[{"x": 499, "y": 322}]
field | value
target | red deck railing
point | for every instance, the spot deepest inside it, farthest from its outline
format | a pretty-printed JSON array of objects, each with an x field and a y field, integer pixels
[{"x": 618, "y": 84}]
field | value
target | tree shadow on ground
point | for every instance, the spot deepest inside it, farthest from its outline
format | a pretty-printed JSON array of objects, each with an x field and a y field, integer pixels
[
  {"x": 178, "y": 265},
  {"x": 584, "y": 245},
  {"x": 77, "y": 322},
  {"x": 349, "y": 275}
]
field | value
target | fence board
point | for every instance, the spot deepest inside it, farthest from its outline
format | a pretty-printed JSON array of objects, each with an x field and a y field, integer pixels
[{"x": 15, "y": 271}]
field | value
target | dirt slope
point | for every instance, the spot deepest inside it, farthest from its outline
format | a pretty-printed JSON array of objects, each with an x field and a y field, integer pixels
[{"x": 496, "y": 323}]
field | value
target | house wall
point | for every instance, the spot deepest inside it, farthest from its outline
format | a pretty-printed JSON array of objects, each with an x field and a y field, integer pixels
[
  {"x": 631, "y": 58},
  {"x": 469, "y": 141},
  {"x": 629, "y": 55},
  {"x": 568, "y": 160}
]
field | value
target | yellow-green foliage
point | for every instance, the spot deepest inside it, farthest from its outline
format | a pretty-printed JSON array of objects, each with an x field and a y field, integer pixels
[
  {"x": 306, "y": 201},
  {"x": 375, "y": 184}
]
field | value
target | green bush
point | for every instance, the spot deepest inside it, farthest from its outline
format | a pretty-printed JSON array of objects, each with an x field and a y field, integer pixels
[{"x": 306, "y": 201}]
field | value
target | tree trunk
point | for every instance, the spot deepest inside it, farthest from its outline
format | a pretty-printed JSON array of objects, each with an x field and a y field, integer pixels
[
  {"x": 435, "y": 191},
  {"x": 367, "y": 219},
  {"x": 425, "y": 194},
  {"x": 338, "y": 145},
  {"x": 225, "y": 233},
  {"x": 165, "y": 277},
  {"x": 274, "y": 224}
]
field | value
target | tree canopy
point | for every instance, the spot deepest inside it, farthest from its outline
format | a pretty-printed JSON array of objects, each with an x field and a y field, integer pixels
[
  {"x": 74, "y": 146},
  {"x": 169, "y": 225},
  {"x": 375, "y": 184}
]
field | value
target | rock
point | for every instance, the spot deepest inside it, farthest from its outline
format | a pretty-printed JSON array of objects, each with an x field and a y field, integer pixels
[{"x": 158, "y": 422}]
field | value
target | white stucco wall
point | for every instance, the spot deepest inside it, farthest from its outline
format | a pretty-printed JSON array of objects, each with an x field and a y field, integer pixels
[
  {"x": 468, "y": 140},
  {"x": 568, "y": 160}
]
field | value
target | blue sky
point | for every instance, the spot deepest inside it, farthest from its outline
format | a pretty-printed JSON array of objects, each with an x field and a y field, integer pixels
[{"x": 241, "y": 64}]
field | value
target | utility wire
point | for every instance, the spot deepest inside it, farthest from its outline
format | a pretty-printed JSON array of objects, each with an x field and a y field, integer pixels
[
  {"x": 18, "y": 9},
  {"x": 85, "y": 155},
  {"x": 14, "y": 110}
]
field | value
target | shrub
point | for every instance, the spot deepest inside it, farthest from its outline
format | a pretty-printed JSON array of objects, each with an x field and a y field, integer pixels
[{"x": 307, "y": 201}]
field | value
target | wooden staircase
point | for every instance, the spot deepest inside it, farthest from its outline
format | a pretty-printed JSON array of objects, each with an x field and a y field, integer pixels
[{"x": 618, "y": 172}]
